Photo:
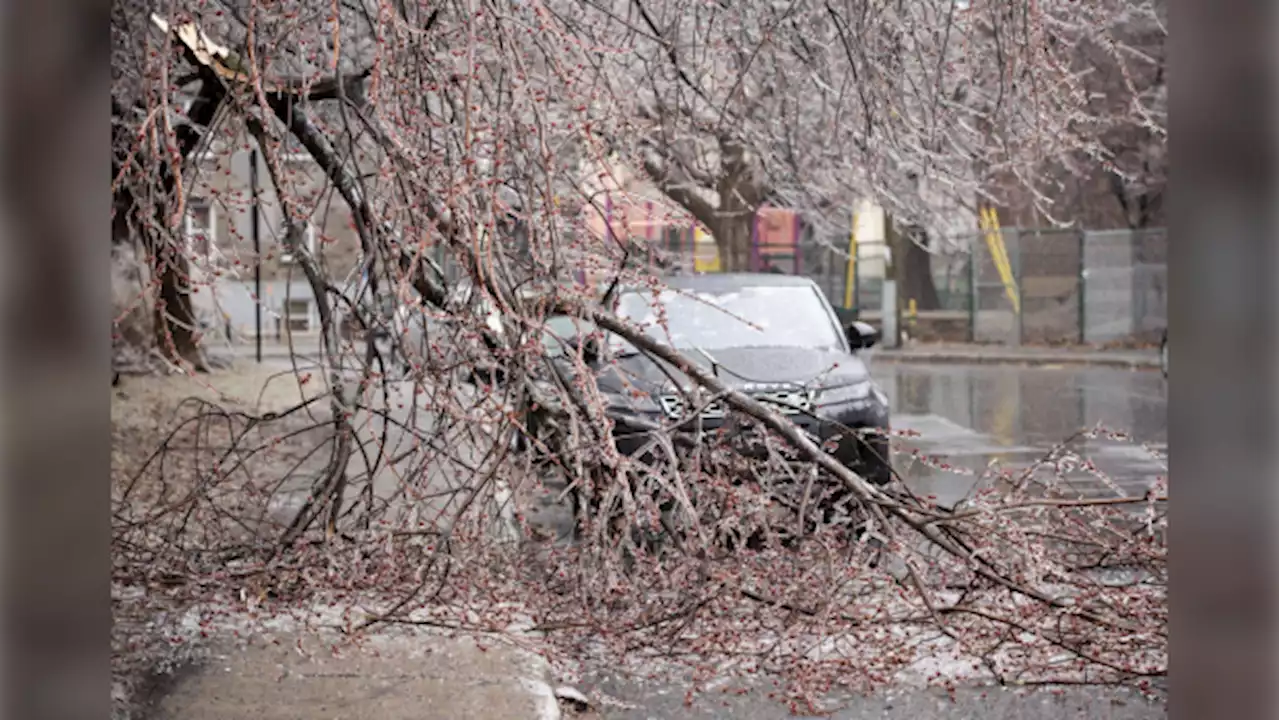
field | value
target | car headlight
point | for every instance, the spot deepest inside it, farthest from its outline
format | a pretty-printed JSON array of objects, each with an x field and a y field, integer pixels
[
  {"x": 858, "y": 392},
  {"x": 629, "y": 404}
]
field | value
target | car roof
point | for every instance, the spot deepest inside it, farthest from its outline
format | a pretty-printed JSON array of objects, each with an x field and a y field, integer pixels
[{"x": 723, "y": 282}]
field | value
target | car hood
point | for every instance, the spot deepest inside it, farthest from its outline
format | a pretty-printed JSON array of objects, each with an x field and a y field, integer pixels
[{"x": 745, "y": 369}]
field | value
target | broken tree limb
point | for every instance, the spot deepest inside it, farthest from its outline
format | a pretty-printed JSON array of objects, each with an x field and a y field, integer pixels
[{"x": 916, "y": 518}]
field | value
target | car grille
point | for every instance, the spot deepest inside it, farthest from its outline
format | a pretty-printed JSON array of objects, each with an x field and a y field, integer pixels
[{"x": 787, "y": 402}]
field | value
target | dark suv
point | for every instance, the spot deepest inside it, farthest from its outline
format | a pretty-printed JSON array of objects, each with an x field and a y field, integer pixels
[{"x": 773, "y": 337}]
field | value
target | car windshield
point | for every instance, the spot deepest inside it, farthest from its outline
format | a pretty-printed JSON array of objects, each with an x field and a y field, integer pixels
[
  {"x": 750, "y": 316},
  {"x": 559, "y": 330}
]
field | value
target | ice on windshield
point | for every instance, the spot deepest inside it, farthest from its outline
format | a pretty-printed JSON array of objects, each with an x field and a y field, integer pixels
[{"x": 764, "y": 316}]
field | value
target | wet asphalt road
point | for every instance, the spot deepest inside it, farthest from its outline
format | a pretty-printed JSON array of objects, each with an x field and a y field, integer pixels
[{"x": 969, "y": 415}]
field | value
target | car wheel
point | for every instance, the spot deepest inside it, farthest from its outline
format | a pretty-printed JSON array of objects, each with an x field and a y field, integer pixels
[
  {"x": 875, "y": 459},
  {"x": 878, "y": 473}
]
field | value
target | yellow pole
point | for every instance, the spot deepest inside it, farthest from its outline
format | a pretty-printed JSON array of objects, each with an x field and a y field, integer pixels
[
  {"x": 989, "y": 222},
  {"x": 1011, "y": 285},
  {"x": 988, "y": 228},
  {"x": 850, "y": 269}
]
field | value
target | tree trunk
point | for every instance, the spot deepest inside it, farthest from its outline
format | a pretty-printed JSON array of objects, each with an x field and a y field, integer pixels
[
  {"x": 177, "y": 329},
  {"x": 912, "y": 267},
  {"x": 733, "y": 230},
  {"x": 733, "y": 240}
]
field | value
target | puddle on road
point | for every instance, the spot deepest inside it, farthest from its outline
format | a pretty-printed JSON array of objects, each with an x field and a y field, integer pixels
[
  {"x": 971, "y": 416},
  {"x": 949, "y": 466}
]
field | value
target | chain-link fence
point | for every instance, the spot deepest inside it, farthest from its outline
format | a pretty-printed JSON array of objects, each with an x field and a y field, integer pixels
[
  {"x": 996, "y": 260},
  {"x": 1014, "y": 286},
  {"x": 1070, "y": 286},
  {"x": 1048, "y": 280},
  {"x": 862, "y": 285},
  {"x": 1009, "y": 287},
  {"x": 1028, "y": 286},
  {"x": 1124, "y": 284}
]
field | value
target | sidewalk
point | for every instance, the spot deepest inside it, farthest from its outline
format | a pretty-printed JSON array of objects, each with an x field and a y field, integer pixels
[
  {"x": 1025, "y": 355},
  {"x": 399, "y": 672},
  {"x": 393, "y": 678}
]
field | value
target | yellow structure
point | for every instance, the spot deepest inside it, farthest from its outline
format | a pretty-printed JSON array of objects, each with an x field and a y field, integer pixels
[
  {"x": 706, "y": 254},
  {"x": 851, "y": 267},
  {"x": 989, "y": 223}
]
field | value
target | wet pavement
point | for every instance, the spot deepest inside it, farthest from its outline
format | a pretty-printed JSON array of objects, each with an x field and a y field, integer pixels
[
  {"x": 971, "y": 415},
  {"x": 968, "y": 416},
  {"x": 988, "y": 703}
]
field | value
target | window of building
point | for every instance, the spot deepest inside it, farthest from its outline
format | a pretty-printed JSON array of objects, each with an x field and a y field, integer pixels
[
  {"x": 200, "y": 226},
  {"x": 297, "y": 314},
  {"x": 308, "y": 241}
]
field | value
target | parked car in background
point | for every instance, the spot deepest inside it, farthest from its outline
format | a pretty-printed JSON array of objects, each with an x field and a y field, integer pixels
[{"x": 773, "y": 337}]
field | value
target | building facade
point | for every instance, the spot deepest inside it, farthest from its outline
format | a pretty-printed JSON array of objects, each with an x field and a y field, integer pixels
[{"x": 233, "y": 259}]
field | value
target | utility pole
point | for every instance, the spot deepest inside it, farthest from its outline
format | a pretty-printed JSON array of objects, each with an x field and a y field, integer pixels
[{"x": 255, "y": 230}]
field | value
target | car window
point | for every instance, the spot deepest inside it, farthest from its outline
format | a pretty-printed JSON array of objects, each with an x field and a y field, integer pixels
[
  {"x": 749, "y": 316},
  {"x": 559, "y": 329}
]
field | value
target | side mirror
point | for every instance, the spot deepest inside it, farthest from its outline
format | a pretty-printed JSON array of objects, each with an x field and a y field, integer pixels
[{"x": 861, "y": 335}]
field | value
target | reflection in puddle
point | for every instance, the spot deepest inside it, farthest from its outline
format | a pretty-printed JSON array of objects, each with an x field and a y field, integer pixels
[
  {"x": 949, "y": 478},
  {"x": 967, "y": 423}
]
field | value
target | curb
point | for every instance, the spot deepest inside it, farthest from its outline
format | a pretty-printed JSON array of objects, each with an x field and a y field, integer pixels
[
  {"x": 1127, "y": 363},
  {"x": 539, "y": 684},
  {"x": 538, "y": 679}
]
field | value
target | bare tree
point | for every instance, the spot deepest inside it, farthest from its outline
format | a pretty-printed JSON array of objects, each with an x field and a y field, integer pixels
[
  {"x": 151, "y": 146},
  {"x": 476, "y": 133},
  {"x": 928, "y": 108},
  {"x": 1115, "y": 175}
]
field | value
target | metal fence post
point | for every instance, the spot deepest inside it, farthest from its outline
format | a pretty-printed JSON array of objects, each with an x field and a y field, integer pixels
[
  {"x": 973, "y": 289},
  {"x": 891, "y": 329},
  {"x": 1083, "y": 276},
  {"x": 1016, "y": 262},
  {"x": 857, "y": 284}
]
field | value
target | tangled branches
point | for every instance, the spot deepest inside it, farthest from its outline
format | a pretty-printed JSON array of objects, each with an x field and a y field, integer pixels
[{"x": 454, "y": 464}]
